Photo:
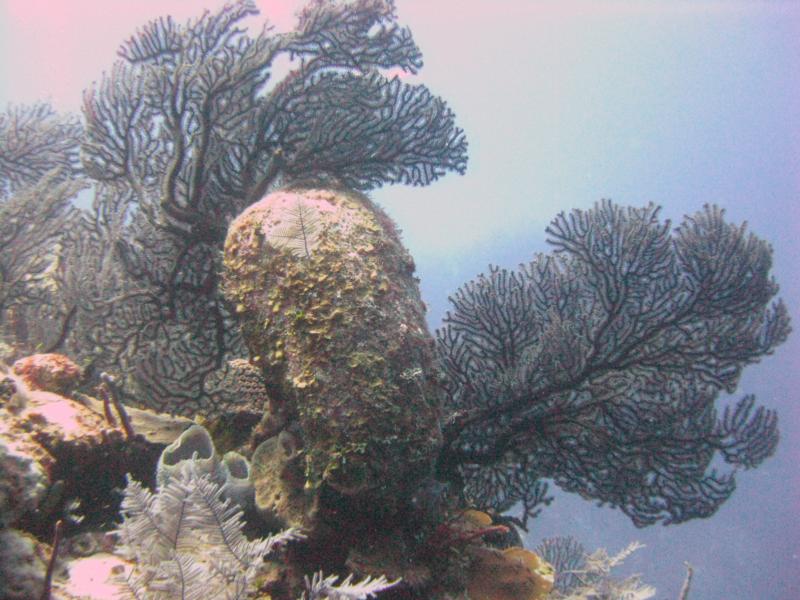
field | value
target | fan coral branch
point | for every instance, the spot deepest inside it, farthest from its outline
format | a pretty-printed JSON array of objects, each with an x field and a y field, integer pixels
[
  {"x": 35, "y": 141},
  {"x": 188, "y": 128},
  {"x": 581, "y": 576},
  {"x": 33, "y": 222},
  {"x": 599, "y": 367}
]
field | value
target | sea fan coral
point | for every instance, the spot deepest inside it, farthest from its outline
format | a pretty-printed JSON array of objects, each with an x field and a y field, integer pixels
[
  {"x": 246, "y": 126},
  {"x": 598, "y": 367}
]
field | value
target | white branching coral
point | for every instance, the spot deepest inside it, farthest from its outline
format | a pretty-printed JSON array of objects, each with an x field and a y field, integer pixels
[
  {"x": 187, "y": 542},
  {"x": 581, "y": 576},
  {"x": 320, "y": 587}
]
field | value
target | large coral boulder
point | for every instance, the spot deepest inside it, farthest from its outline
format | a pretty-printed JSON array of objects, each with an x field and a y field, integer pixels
[{"x": 331, "y": 311}]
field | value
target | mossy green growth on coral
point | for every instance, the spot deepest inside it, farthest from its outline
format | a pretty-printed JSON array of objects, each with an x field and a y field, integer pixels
[{"x": 337, "y": 325}]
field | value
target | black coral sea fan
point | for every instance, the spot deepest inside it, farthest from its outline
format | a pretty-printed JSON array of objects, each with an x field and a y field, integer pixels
[
  {"x": 187, "y": 542},
  {"x": 195, "y": 122},
  {"x": 599, "y": 367}
]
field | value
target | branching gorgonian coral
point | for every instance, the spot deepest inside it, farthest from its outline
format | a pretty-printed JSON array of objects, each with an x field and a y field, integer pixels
[
  {"x": 319, "y": 587},
  {"x": 599, "y": 367},
  {"x": 34, "y": 142},
  {"x": 32, "y": 225},
  {"x": 39, "y": 177},
  {"x": 188, "y": 128}
]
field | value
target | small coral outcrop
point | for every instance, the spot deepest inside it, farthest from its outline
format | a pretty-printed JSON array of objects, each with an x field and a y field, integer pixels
[
  {"x": 510, "y": 574},
  {"x": 48, "y": 372},
  {"x": 280, "y": 497},
  {"x": 332, "y": 314},
  {"x": 56, "y": 450},
  {"x": 23, "y": 480}
]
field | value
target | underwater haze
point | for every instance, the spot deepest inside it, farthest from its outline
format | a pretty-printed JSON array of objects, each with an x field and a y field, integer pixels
[{"x": 565, "y": 103}]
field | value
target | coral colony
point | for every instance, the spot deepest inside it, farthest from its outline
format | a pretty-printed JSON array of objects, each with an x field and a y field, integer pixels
[{"x": 220, "y": 381}]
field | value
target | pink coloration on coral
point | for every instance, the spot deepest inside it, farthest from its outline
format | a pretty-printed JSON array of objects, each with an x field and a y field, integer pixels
[
  {"x": 50, "y": 418},
  {"x": 275, "y": 211},
  {"x": 49, "y": 372}
]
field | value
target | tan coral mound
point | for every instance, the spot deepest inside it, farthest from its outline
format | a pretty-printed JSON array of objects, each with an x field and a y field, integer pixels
[
  {"x": 511, "y": 574},
  {"x": 55, "y": 448},
  {"x": 331, "y": 311}
]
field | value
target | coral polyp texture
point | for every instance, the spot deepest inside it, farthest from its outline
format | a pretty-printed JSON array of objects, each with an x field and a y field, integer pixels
[{"x": 331, "y": 311}]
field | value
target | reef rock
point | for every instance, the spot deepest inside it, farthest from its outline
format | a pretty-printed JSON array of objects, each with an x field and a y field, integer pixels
[
  {"x": 23, "y": 563},
  {"x": 59, "y": 455},
  {"x": 23, "y": 480},
  {"x": 332, "y": 314},
  {"x": 49, "y": 372},
  {"x": 280, "y": 497}
]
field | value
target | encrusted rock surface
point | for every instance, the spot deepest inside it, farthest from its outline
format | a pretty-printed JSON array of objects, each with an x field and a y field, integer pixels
[
  {"x": 279, "y": 495},
  {"x": 23, "y": 478},
  {"x": 61, "y": 454},
  {"x": 510, "y": 574},
  {"x": 49, "y": 372},
  {"x": 331, "y": 311},
  {"x": 61, "y": 459},
  {"x": 23, "y": 481},
  {"x": 23, "y": 563}
]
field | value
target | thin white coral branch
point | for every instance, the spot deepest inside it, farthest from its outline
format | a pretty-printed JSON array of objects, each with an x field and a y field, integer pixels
[
  {"x": 320, "y": 587},
  {"x": 188, "y": 543},
  {"x": 687, "y": 583}
]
